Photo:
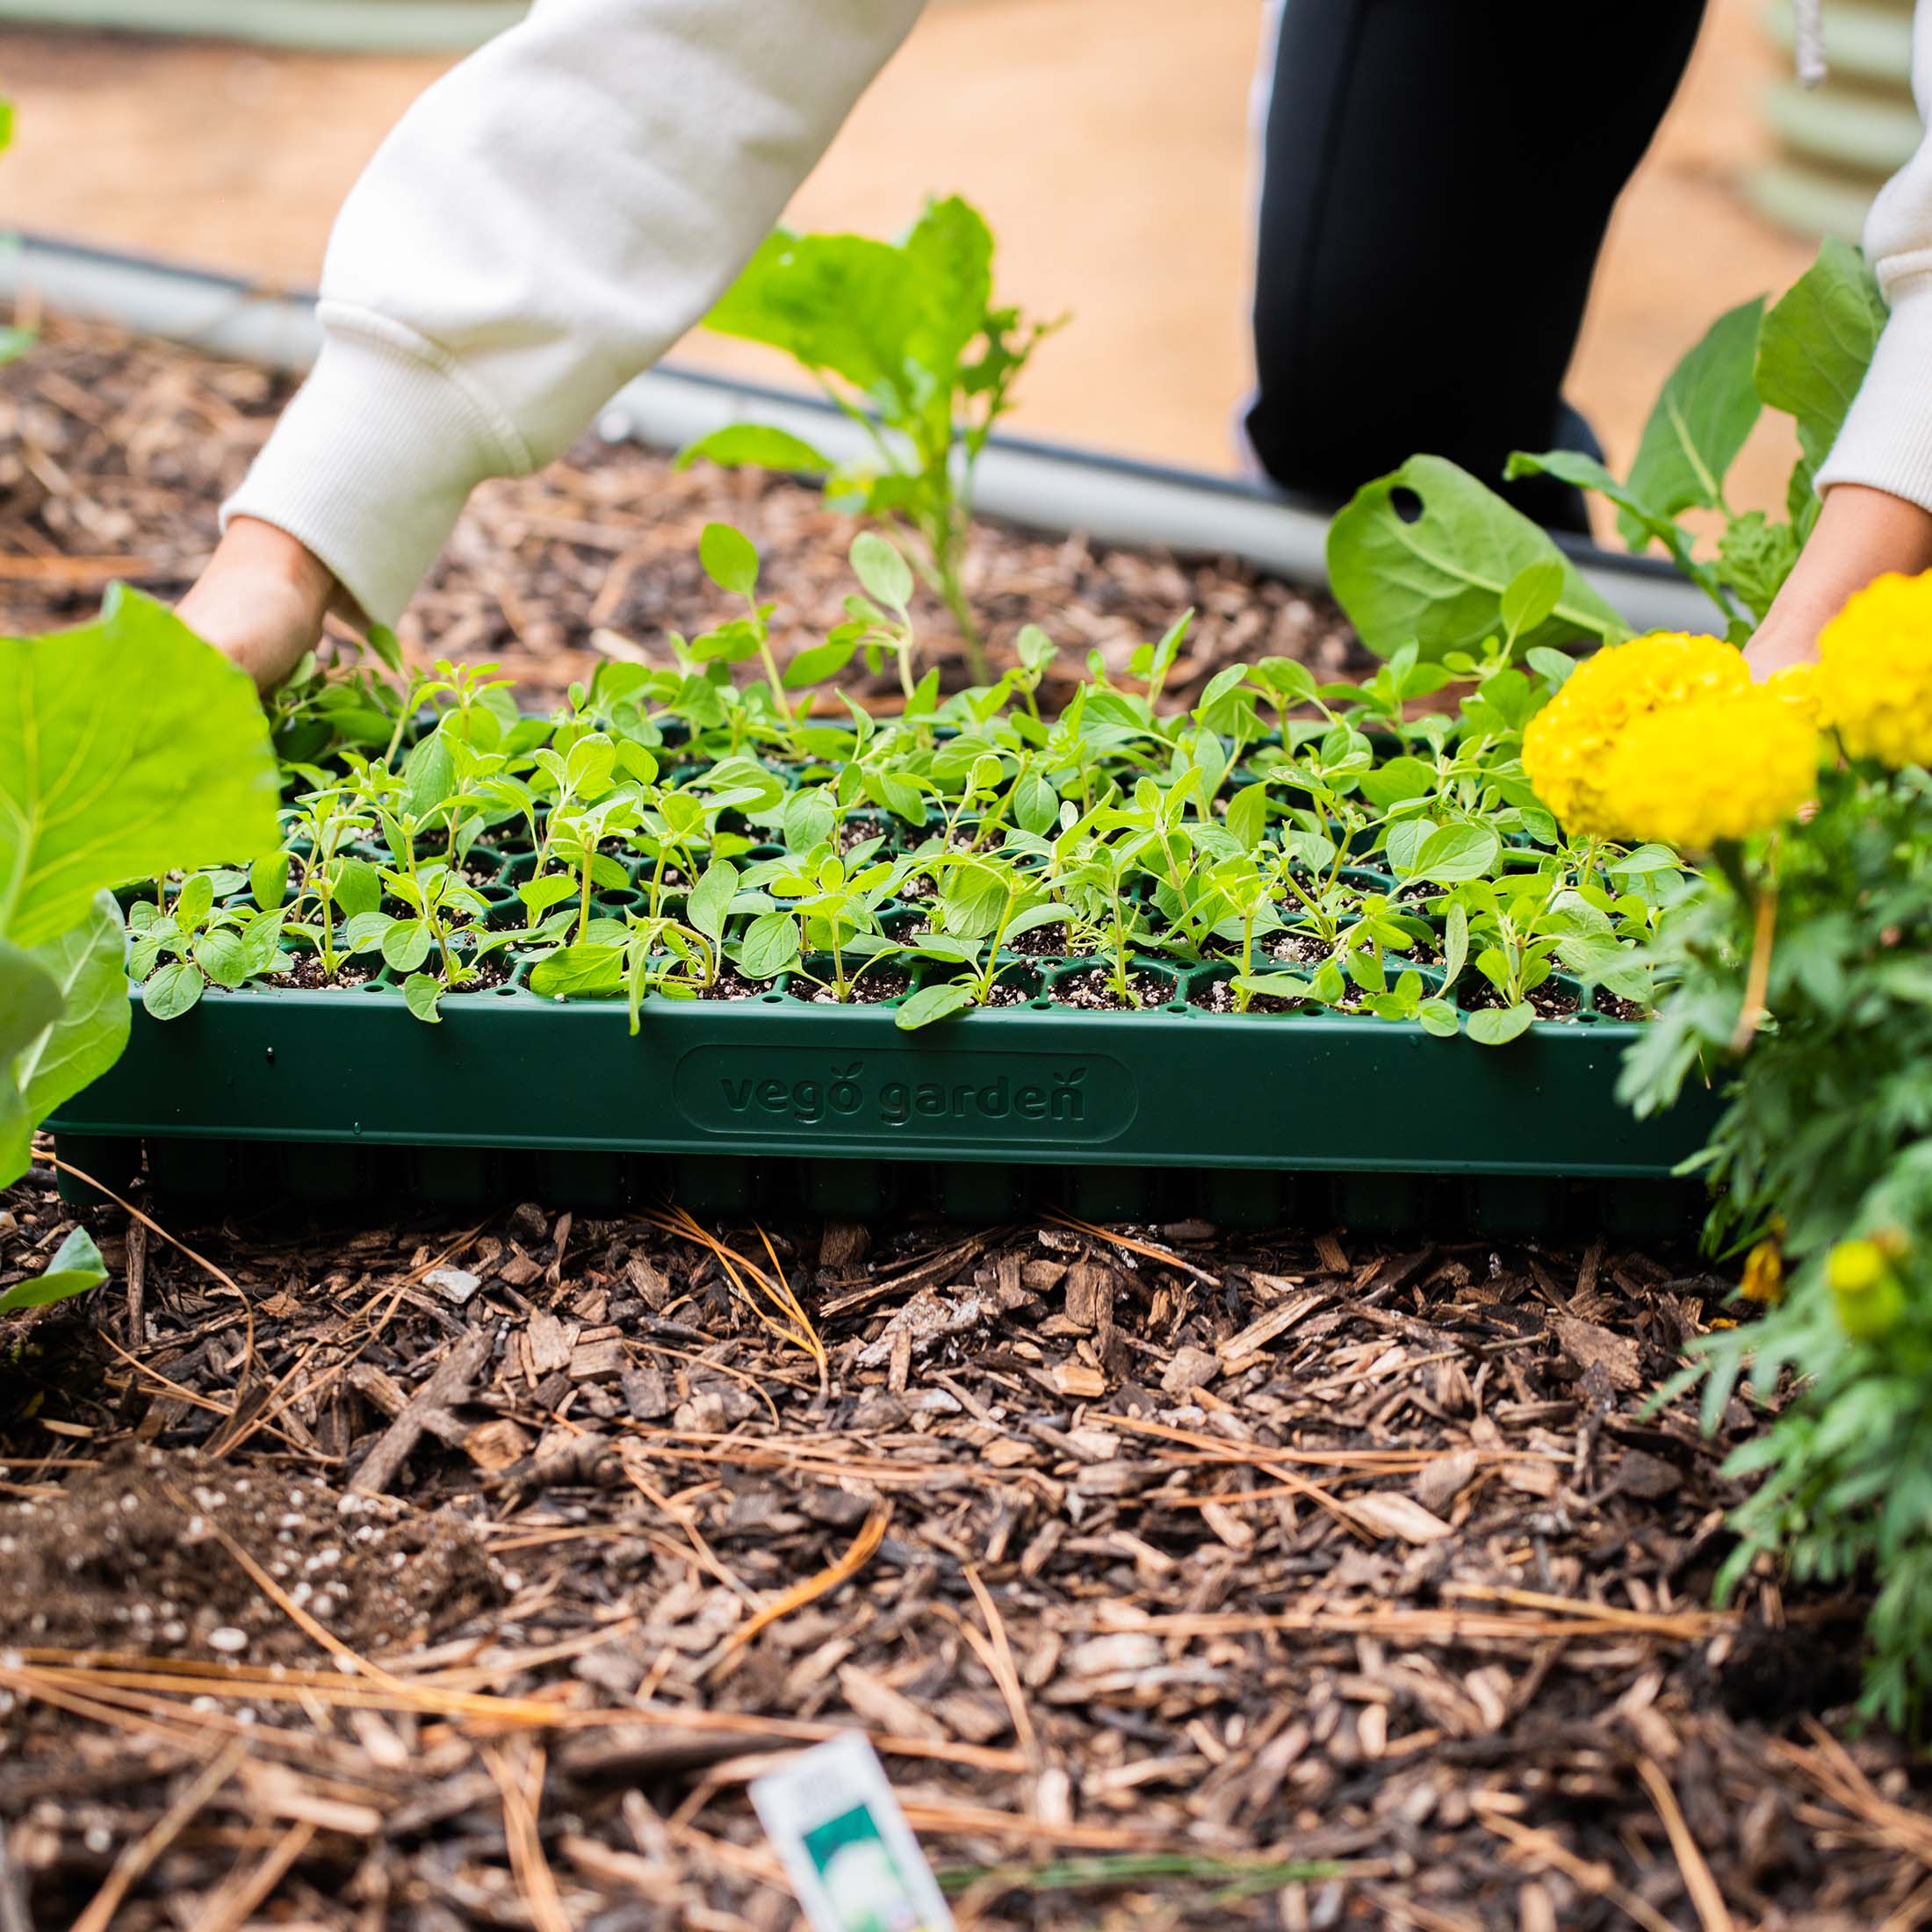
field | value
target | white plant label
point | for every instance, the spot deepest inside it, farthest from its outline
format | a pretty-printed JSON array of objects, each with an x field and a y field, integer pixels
[{"x": 846, "y": 1848}]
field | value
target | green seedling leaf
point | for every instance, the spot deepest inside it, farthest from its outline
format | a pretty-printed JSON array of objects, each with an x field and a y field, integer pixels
[
  {"x": 539, "y": 895},
  {"x": 579, "y": 972},
  {"x": 1455, "y": 944},
  {"x": 422, "y": 991},
  {"x": 406, "y": 944},
  {"x": 934, "y": 1003},
  {"x": 755, "y": 445},
  {"x": 729, "y": 559},
  {"x": 1440, "y": 1018},
  {"x": 194, "y": 902},
  {"x": 1438, "y": 577},
  {"x": 1532, "y": 598},
  {"x": 1247, "y": 819},
  {"x": 877, "y": 564},
  {"x": 770, "y": 944},
  {"x": 76, "y": 1267},
  {"x": 817, "y": 663},
  {"x": 128, "y": 748},
  {"x": 1035, "y": 805},
  {"x": 1698, "y": 424},
  {"x": 708, "y": 903},
  {"x": 1400, "y": 778},
  {"x": 429, "y": 776},
  {"x": 1497, "y": 1026},
  {"x": 268, "y": 881},
  {"x": 172, "y": 990},
  {"x": 1454, "y": 853},
  {"x": 223, "y": 956},
  {"x": 358, "y": 888},
  {"x": 1817, "y": 342}
]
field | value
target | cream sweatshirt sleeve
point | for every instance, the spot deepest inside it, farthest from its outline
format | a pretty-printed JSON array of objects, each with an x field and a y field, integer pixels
[
  {"x": 547, "y": 219},
  {"x": 1886, "y": 440}
]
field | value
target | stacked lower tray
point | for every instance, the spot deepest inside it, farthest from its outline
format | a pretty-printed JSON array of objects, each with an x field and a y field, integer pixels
[{"x": 772, "y": 1102}]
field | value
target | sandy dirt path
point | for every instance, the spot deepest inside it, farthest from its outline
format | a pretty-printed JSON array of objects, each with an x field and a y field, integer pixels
[{"x": 1106, "y": 139}]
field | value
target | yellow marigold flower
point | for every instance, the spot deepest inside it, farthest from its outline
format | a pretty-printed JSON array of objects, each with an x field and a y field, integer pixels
[
  {"x": 1567, "y": 742},
  {"x": 1715, "y": 768},
  {"x": 1866, "y": 1290},
  {"x": 1797, "y": 684},
  {"x": 1875, "y": 672},
  {"x": 1763, "y": 1278}
]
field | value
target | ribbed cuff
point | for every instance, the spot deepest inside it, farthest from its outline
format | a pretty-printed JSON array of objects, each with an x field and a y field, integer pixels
[
  {"x": 372, "y": 462},
  {"x": 1886, "y": 440}
]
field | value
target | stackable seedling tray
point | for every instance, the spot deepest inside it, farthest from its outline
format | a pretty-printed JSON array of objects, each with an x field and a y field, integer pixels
[{"x": 770, "y": 1102}]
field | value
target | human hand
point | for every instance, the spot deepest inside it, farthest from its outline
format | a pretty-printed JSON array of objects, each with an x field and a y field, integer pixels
[
  {"x": 1860, "y": 534},
  {"x": 262, "y": 599}
]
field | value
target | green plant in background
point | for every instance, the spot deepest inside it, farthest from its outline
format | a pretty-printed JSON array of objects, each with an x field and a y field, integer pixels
[
  {"x": 1425, "y": 554},
  {"x": 905, "y": 339},
  {"x": 129, "y": 748}
]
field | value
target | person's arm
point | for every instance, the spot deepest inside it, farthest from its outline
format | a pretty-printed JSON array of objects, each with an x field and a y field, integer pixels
[
  {"x": 547, "y": 219},
  {"x": 1877, "y": 479},
  {"x": 1860, "y": 534}
]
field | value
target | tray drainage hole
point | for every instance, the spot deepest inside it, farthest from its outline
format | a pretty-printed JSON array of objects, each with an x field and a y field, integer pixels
[
  {"x": 773, "y": 999},
  {"x": 1179, "y": 1006},
  {"x": 1041, "y": 1006}
]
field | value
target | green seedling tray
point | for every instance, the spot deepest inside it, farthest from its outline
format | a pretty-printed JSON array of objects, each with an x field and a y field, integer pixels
[{"x": 341, "y": 1094}]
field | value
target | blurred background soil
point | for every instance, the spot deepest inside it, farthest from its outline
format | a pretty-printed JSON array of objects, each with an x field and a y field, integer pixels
[{"x": 1106, "y": 139}]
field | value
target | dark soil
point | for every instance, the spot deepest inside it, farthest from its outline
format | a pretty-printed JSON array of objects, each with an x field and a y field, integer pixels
[
  {"x": 1218, "y": 996},
  {"x": 873, "y": 989},
  {"x": 1041, "y": 942},
  {"x": 305, "y": 973},
  {"x": 112, "y": 447},
  {"x": 1013, "y": 991},
  {"x": 732, "y": 984},
  {"x": 1092, "y": 991},
  {"x": 1550, "y": 1001},
  {"x": 1612, "y": 1007},
  {"x": 1303, "y": 1547},
  {"x": 489, "y": 974}
]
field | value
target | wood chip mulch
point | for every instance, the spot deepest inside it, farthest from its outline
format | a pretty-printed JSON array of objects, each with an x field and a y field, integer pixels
[
  {"x": 116, "y": 454},
  {"x": 423, "y": 1574}
]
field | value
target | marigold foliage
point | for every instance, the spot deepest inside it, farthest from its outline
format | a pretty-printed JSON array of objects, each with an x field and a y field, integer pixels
[
  {"x": 1695, "y": 774},
  {"x": 1875, "y": 672},
  {"x": 1567, "y": 744}
]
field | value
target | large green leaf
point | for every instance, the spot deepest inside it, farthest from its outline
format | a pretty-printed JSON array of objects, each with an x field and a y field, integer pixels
[
  {"x": 1698, "y": 424},
  {"x": 77, "y": 1043},
  {"x": 1817, "y": 342},
  {"x": 1438, "y": 577},
  {"x": 128, "y": 748}
]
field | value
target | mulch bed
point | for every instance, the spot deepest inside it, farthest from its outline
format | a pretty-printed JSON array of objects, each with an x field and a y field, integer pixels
[
  {"x": 116, "y": 454},
  {"x": 438, "y": 1573},
  {"x": 466, "y": 1574}
]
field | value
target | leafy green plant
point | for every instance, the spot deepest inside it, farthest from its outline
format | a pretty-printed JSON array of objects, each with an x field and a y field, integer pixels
[
  {"x": 129, "y": 748},
  {"x": 1428, "y": 553},
  {"x": 905, "y": 338}
]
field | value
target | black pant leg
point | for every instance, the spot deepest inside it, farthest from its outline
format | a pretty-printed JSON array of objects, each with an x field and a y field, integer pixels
[{"x": 1438, "y": 177}]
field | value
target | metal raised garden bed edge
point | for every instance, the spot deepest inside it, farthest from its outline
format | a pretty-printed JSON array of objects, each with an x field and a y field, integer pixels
[{"x": 334, "y": 1095}]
